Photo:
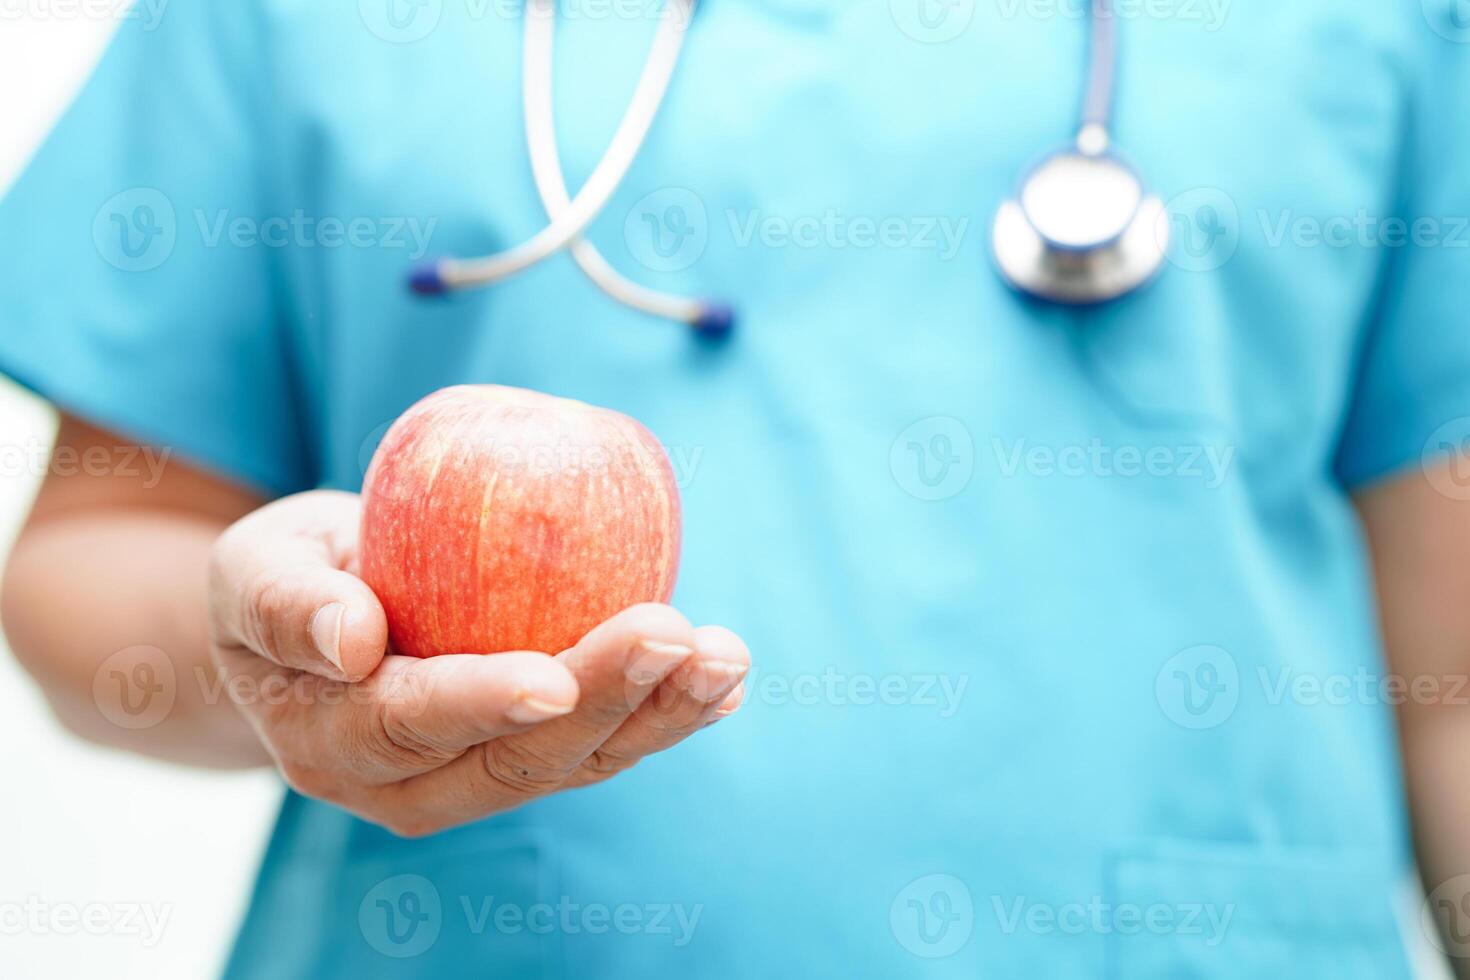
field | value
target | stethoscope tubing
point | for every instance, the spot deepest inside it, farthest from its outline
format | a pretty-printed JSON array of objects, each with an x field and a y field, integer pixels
[
  {"x": 570, "y": 216},
  {"x": 540, "y": 119},
  {"x": 1102, "y": 66},
  {"x": 569, "y": 222}
]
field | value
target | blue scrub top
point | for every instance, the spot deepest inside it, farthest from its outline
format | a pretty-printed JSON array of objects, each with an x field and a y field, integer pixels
[{"x": 1063, "y": 629}]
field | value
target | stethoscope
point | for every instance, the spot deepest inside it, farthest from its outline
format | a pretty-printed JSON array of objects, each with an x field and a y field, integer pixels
[{"x": 1080, "y": 230}]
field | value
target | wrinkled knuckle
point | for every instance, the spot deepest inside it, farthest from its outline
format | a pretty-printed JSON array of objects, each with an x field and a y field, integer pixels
[
  {"x": 521, "y": 771},
  {"x": 395, "y": 738},
  {"x": 604, "y": 764},
  {"x": 611, "y": 713},
  {"x": 270, "y": 603},
  {"x": 669, "y": 723},
  {"x": 255, "y": 599}
]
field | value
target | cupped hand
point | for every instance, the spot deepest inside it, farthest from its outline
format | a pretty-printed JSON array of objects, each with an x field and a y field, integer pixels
[{"x": 418, "y": 746}]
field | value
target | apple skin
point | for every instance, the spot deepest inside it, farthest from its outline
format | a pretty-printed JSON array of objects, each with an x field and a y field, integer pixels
[{"x": 499, "y": 519}]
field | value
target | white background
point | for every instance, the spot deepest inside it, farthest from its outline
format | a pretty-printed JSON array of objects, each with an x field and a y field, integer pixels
[{"x": 80, "y": 825}]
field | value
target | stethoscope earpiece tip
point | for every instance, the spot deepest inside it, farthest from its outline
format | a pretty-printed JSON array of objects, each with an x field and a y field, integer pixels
[
  {"x": 715, "y": 321},
  {"x": 425, "y": 279}
]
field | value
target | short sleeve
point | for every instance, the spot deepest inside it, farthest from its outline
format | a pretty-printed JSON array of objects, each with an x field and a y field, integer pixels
[
  {"x": 125, "y": 298},
  {"x": 1412, "y": 397}
]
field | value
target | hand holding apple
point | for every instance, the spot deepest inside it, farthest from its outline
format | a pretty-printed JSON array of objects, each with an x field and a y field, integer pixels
[{"x": 419, "y": 745}]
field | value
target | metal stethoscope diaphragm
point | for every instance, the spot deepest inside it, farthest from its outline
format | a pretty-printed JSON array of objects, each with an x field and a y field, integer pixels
[{"x": 1083, "y": 229}]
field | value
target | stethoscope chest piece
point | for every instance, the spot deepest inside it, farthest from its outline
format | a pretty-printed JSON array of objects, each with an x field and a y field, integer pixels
[{"x": 1081, "y": 230}]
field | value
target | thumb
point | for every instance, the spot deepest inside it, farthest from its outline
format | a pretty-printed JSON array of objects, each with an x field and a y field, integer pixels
[{"x": 276, "y": 591}]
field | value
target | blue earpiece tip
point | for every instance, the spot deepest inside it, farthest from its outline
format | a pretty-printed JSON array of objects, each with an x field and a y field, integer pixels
[
  {"x": 425, "y": 280},
  {"x": 715, "y": 321}
]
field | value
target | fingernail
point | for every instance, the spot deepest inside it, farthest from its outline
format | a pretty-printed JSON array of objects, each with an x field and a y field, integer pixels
[
  {"x": 732, "y": 703},
  {"x": 528, "y": 710},
  {"x": 657, "y": 659},
  {"x": 326, "y": 631},
  {"x": 712, "y": 680}
]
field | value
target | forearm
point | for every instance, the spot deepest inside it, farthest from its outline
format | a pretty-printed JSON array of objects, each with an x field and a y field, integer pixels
[
  {"x": 1419, "y": 539},
  {"x": 1436, "y": 742},
  {"x": 107, "y": 609}
]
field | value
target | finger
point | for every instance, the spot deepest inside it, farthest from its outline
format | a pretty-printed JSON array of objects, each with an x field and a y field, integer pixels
[
  {"x": 616, "y": 666},
  {"x": 688, "y": 700},
  {"x": 278, "y": 589},
  {"x": 731, "y": 704},
  {"x": 332, "y": 738}
]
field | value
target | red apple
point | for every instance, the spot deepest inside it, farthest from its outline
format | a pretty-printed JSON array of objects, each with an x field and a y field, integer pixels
[{"x": 500, "y": 519}]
